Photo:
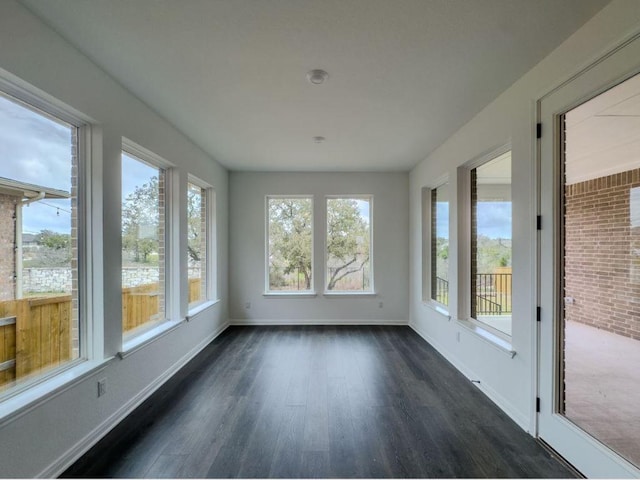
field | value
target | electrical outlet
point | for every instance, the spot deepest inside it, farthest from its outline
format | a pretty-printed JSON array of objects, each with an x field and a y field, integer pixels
[
  {"x": 247, "y": 305},
  {"x": 458, "y": 336},
  {"x": 380, "y": 305},
  {"x": 102, "y": 387}
]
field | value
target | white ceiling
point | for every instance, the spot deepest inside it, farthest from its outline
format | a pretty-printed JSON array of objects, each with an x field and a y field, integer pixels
[
  {"x": 603, "y": 134},
  {"x": 230, "y": 74}
]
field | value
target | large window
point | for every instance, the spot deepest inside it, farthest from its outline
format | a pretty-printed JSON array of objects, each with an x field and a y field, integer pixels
[
  {"x": 290, "y": 244},
  {"x": 491, "y": 227},
  {"x": 40, "y": 322},
  {"x": 440, "y": 244},
  {"x": 143, "y": 243},
  {"x": 348, "y": 244},
  {"x": 197, "y": 242}
]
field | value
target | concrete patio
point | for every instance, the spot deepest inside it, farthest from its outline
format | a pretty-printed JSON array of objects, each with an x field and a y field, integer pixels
[{"x": 603, "y": 387}]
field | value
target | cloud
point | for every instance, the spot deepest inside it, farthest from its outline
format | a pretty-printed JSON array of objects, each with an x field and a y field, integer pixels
[
  {"x": 494, "y": 219},
  {"x": 33, "y": 148}
]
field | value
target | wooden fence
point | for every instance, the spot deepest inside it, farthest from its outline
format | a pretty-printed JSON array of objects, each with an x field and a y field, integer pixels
[{"x": 37, "y": 333}]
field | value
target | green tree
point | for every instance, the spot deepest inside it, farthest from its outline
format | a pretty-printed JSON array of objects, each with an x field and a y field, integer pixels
[
  {"x": 348, "y": 239},
  {"x": 53, "y": 240},
  {"x": 54, "y": 250},
  {"x": 140, "y": 221},
  {"x": 492, "y": 253},
  {"x": 290, "y": 232},
  {"x": 194, "y": 222}
]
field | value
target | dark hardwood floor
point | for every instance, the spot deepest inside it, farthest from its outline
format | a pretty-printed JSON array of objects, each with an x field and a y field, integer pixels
[{"x": 327, "y": 401}]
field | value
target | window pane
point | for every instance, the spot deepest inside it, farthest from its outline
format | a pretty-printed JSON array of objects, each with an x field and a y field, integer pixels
[
  {"x": 491, "y": 243},
  {"x": 290, "y": 225},
  {"x": 197, "y": 243},
  {"x": 599, "y": 314},
  {"x": 348, "y": 244},
  {"x": 440, "y": 244},
  {"x": 39, "y": 321},
  {"x": 143, "y": 263}
]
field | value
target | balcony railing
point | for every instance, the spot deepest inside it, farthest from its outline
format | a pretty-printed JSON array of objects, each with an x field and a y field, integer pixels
[
  {"x": 493, "y": 293},
  {"x": 441, "y": 291}
]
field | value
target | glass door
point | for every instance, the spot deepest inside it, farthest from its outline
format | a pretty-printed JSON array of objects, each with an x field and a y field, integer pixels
[{"x": 589, "y": 363}]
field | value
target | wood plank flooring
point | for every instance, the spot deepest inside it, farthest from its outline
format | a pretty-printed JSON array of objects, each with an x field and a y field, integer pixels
[{"x": 309, "y": 402}]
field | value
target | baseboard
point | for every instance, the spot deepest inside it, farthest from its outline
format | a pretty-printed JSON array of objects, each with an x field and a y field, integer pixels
[
  {"x": 271, "y": 321},
  {"x": 522, "y": 420},
  {"x": 93, "y": 437}
]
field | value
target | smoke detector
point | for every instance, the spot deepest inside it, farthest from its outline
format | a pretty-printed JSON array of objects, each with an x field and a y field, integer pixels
[{"x": 317, "y": 77}]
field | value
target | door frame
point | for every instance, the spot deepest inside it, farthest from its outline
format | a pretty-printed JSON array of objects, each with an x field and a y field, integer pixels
[{"x": 583, "y": 451}]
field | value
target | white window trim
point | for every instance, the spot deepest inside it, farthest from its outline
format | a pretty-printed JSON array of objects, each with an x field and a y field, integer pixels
[
  {"x": 343, "y": 293},
  {"x": 289, "y": 293},
  {"x": 24, "y": 396},
  {"x": 210, "y": 248},
  {"x": 171, "y": 233},
  {"x": 478, "y": 328}
]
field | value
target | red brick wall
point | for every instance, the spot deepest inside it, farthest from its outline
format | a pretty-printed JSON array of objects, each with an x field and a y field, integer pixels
[
  {"x": 7, "y": 247},
  {"x": 602, "y": 254}
]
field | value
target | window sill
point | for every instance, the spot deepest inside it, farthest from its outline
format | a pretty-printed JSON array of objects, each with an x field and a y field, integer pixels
[
  {"x": 491, "y": 338},
  {"x": 201, "y": 307},
  {"x": 31, "y": 397},
  {"x": 290, "y": 294},
  {"x": 146, "y": 338},
  {"x": 349, "y": 294},
  {"x": 436, "y": 307}
]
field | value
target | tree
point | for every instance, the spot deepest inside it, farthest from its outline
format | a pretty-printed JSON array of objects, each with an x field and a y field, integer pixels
[
  {"x": 54, "y": 250},
  {"x": 347, "y": 239},
  {"x": 492, "y": 253},
  {"x": 140, "y": 221},
  {"x": 53, "y": 240},
  {"x": 195, "y": 196},
  {"x": 290, "y": 239}
]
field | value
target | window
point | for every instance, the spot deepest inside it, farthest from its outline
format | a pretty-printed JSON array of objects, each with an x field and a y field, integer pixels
[
  {"x": 41, "y": 326},
  {"x": 348, "y": 254},
  {"x": 197, "y": 242},
  {"x": 290, "y": 244},
  {"x": 143, "y": 242},
  {"x": 440, "y": 244},
  {"x": 491, "y": 222}
]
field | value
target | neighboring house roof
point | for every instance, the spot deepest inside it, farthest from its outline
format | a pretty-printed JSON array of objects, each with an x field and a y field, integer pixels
[{"x": 29, "y": 190}]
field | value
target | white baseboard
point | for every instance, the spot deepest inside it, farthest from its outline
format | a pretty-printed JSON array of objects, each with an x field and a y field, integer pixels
[
  {"x": 271, "y": 321},
  {"x": 523, "y": 421},
  {"x": 80, "y": 448}
]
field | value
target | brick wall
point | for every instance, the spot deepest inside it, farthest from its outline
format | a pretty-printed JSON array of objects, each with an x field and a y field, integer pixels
[
  {"x": 7, "y": 247},
  {"x": 602, "y": 253}
]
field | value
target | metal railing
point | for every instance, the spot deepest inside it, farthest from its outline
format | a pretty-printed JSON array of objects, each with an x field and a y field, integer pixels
[
  {"x": 441, "y": 291},
  {"x": 493, "y": 293}
]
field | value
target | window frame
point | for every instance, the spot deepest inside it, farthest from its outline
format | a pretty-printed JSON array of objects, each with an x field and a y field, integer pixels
[
  {"x": 89, "y": 244},
  {"x": 371, "y": 291},
  {"x": 429, "y": 232},
  {"x": 482, "y": 329},
  {"x": 171, "y": 262},
  {"x": 209, "y": 264},
  {"x": 296, "y": 293}
]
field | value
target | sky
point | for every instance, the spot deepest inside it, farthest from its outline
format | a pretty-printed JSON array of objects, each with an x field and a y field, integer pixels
[
  {"x": 135, "y": 174},
  {"x": 494, "y": 219},
  {"x": 35, "y": 149}
]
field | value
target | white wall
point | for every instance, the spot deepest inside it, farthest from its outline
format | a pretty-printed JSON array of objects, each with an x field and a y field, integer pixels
[
  {"x": 247, "y": 192},
  {"x": 509, "y": 119},
  {"x": 49, "y": 435}
]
